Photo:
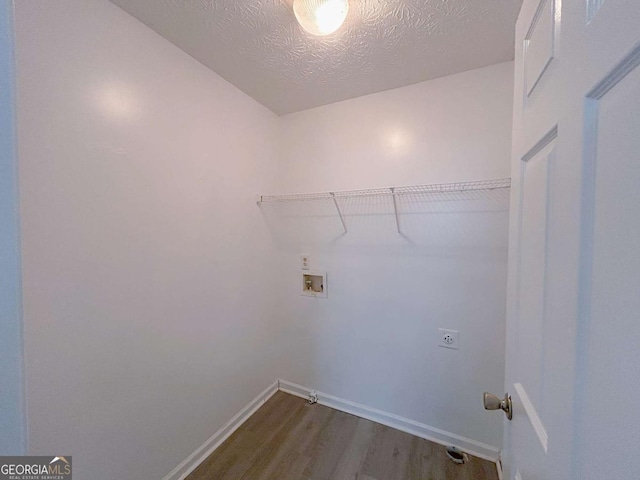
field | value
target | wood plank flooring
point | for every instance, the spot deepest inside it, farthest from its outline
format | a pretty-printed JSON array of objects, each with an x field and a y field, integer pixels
[{"x": 288, "y": 439}]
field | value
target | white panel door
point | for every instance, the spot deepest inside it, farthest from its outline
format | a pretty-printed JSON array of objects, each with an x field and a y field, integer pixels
[{"x": 573, "y": 328}]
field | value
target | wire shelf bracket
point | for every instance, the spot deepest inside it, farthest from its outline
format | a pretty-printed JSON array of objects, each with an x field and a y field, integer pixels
[
  {"x": 395, "y": 210},
  {"x": 335, "y": 202}
]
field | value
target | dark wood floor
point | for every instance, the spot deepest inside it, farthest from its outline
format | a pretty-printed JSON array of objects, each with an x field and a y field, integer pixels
[{"x": 288, "y": 439}]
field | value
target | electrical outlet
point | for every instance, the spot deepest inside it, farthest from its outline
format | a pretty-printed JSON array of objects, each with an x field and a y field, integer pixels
[
  {"x": 449, "y": 338},
  {"x": 304, "y": 262}
]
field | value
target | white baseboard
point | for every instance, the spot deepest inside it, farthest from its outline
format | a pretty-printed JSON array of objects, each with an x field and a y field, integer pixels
[
  {"x": 473, "y": 447},
  {"x": 189, "y": 464}
]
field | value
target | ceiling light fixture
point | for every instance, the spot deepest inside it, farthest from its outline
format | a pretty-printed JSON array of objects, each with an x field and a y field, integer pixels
[{"x": 321, "y": 17}]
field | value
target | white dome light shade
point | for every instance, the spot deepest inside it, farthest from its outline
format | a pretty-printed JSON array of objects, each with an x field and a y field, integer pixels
[{"x": 321, "y": 17}]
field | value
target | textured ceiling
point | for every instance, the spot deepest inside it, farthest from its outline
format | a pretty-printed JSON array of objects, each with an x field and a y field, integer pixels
[{"x": 258, "y": 46}]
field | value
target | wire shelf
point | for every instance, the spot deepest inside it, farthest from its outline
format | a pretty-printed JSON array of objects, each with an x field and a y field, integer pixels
[
  {"x": 391, "y": 191},
  {"x": 396, "y": 201}
]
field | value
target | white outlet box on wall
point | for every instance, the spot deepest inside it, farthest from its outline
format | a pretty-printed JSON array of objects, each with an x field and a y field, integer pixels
[{"x": 449, "y": 338}]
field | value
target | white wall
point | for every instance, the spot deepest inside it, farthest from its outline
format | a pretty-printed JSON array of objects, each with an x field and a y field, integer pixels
[
  {"x": 146, "y": 308},
  {"x": 12, "y": 412},
  {"x": 150, "y": 284},
  {"x": 374, "y": 340}
]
